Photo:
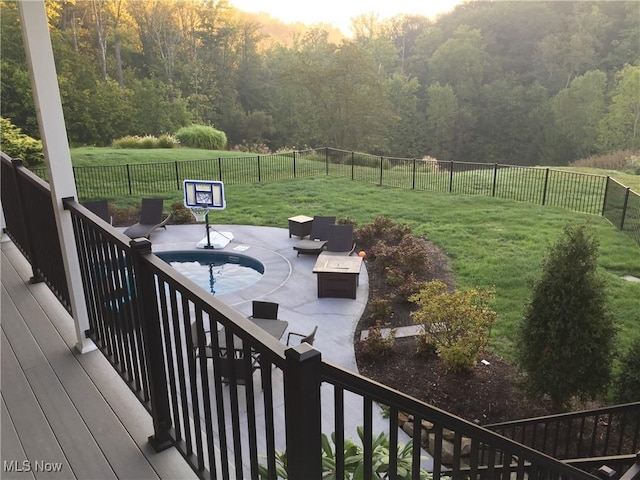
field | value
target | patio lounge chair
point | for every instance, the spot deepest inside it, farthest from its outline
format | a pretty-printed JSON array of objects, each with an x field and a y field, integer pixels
[
  {"x": 100, "y": 208},
  {"x": 150, "y": 219},
  {"x": 340, "y": 240},
  {"x": 306, "y": 338},
  {"x": 317, "y": 238}
]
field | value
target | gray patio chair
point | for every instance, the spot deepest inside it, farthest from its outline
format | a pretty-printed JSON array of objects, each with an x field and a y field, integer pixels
[
  {"x": 340, "y": 240},
  {"x": 150, "y": 219},
  {"x": 317, "y": 238},
  {"x": 305, "y": 337}
]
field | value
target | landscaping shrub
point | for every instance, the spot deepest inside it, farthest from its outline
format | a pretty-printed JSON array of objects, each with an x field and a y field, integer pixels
[
  {"x": 202, "y": 136},
  {"x": 166, "y": 141},
  {"x": 458, "y": 323},
  {"x": 381, "y": 229},
  {"x": 354, "y": 459},
  {"x": 375, "y": 346},
  {"x": 627, "y": 381},
  {"x": 408, "y": 254},
  {"x": 566, "y": 341},
  {"x": 18, "y": 145},
  {"x": 148, "y": 141},
  {"x": 181, "y": 214},
  {"x": 380, "y": 308}
]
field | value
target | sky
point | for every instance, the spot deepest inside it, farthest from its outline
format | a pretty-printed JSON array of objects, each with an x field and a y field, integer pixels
[{"x": 340, "y": 12}]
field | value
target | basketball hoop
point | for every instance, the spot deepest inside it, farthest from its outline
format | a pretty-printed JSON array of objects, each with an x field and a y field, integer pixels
[
  {"x": 200, "y": 213},
  {"x": 201, "y": 196}
]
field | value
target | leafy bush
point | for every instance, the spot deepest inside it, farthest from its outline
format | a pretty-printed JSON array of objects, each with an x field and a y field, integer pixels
[
  {"x": 166, "y": 141},
  {"x": 380, "y": 307},
  {"x": 566, "y": 340},
  {"x": 622, "y": 160},
  {"x": 18, "y": 145},
  {"x": 354, "y": 460},
  {"x": 202, "y": 136},
  {"x": 409, "y": 254},
  {"x": 382, "y": 229},
  {"x": 458, "y": 323},
  {"x": 376, "y": 346},
  {"x": 181, "y": 214},
  {"x": 627, "y": 382},
  {"x": 410, "y": 286},
  {"x": 148, "y": 141}
]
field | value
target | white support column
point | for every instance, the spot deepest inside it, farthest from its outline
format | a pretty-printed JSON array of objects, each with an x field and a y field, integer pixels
[{"x": 44, "y": 83}]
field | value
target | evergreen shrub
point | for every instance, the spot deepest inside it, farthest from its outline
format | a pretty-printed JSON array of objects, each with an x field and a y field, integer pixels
[{"x": 566, "y": 340}]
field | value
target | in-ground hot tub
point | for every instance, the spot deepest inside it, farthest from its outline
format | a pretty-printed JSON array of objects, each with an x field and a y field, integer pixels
[{"x": 217, "y": 272}]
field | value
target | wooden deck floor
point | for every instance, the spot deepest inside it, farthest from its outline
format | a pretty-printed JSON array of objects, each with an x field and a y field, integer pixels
[{"x": 65, "y": 415}]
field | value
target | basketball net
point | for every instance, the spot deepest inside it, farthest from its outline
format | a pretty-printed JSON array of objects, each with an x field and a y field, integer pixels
[{"x": 200, "y": 213}]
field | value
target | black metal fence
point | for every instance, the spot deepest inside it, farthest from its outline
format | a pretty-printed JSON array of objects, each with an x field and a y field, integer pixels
[
  {"x": 183, "y": 353},
  {"x": 592, "y": 194}
]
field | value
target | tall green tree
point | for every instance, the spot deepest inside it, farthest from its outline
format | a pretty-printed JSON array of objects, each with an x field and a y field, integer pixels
[
  {"x": 443, "y": 113},
  {"x": 620, "y": 127},
  {"x": 579, "y": 109},
  {"x": 566, "y": 339}
]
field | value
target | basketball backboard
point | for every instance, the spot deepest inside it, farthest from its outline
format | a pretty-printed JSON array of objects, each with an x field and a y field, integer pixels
[{"x": 204, "y": 193}]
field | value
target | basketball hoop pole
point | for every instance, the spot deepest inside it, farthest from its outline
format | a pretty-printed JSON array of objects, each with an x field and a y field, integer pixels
[{"x": 207, "y": 226}]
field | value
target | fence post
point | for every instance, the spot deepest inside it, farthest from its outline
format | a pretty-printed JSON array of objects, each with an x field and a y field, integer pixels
[
  {"x": 129, "y": 178},
  {"x": 353, "y": 166},
  {"x": 546, "y": 183},
  {"x": 624, "y": 208},
  {"x": 413, "y": 180},
  {"x": 451, "y": 177},
  {"x": 220, "y": 168},
  {"x": 381, "y": 162},
  {"x": 326, "y": 160},
  {"x": 606, "y": 194},
  {"x": 302, "y": 412},
  {"x": 495, "y": 179},
  {"x": 152, "y": 338},
  {"x": 177, "y": 176},
  {"x": 294, "y": 164},
  {"x": 259, "y": 174}
]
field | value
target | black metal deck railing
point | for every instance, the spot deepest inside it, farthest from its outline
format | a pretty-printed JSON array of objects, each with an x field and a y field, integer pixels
[
  {"x": 151, "y": 323},
  {"x": 578, "y": 437}
]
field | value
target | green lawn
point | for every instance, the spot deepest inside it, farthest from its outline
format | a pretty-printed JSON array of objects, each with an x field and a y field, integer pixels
[{"x": 490, "y": 241}]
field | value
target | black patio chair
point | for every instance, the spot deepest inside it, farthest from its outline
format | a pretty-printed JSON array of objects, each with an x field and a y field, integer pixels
[
  {"x": 100, "y": 208},
  {"x": 340, "y": 240},
  {"x": 268, "y": 310},
  {"x": 305, "y": 337}
]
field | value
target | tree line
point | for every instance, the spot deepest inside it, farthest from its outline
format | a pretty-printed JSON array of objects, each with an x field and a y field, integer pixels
[{"x": 536, "y": 82}]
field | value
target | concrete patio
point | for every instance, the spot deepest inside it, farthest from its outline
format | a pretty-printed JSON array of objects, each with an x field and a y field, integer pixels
[{"x": 287, "y": 280}]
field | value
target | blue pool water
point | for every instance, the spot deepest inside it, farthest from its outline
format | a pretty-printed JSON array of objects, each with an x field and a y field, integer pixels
[{"x": 217, "y": 272}]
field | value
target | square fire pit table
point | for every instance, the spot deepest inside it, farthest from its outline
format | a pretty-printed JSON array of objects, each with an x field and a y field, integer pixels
[
  {"x": 300, "y": 226},
  {"x": 337, "y": 275}
]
